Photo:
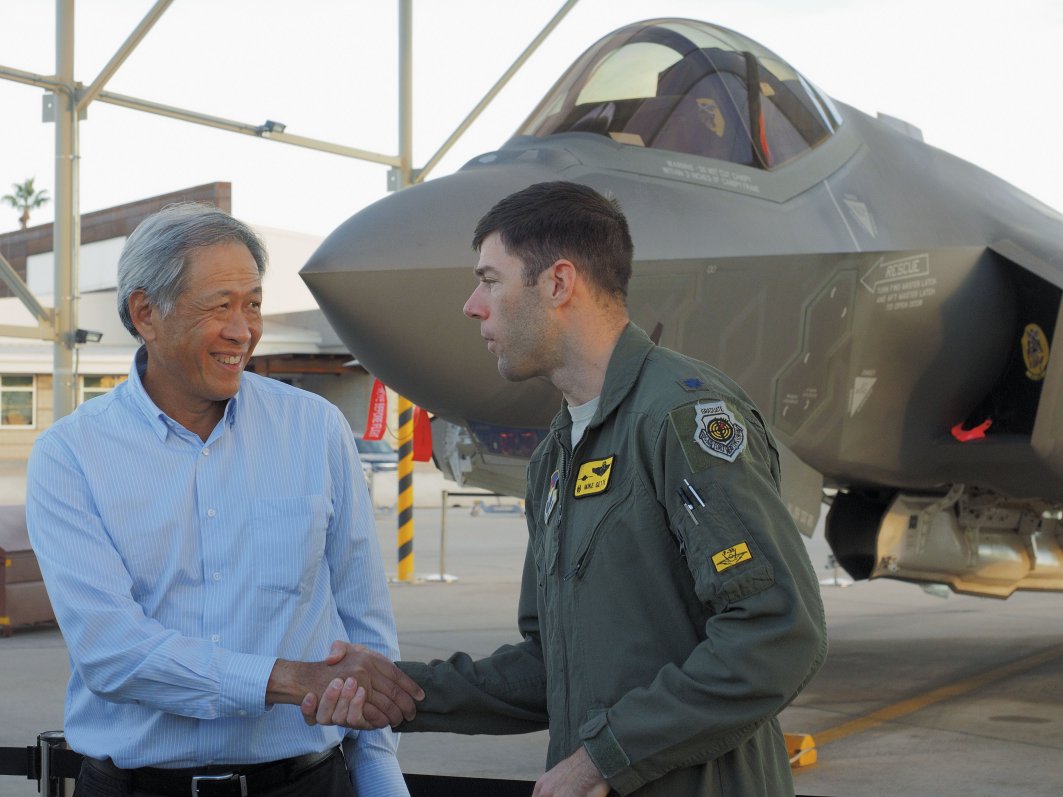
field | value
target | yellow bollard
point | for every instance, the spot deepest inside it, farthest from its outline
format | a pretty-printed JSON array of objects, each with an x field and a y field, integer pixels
[
  {"x": 802, "y": 749},
  {"x": 405, "y": 499}
]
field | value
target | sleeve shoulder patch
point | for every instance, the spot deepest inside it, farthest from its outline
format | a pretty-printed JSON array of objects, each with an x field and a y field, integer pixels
[{"x": 708, "y": 430}]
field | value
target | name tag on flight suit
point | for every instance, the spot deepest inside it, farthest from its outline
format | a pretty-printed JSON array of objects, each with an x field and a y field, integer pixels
[{"x": 593, "y": 477}]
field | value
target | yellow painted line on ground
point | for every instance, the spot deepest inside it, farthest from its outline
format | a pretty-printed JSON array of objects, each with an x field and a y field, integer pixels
[{"x": 913, "y": 704}]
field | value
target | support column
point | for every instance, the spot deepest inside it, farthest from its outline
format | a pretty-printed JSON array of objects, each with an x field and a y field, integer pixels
[
  {"x": 405, "y": 500},
  {"x": 67, "y": 227}
]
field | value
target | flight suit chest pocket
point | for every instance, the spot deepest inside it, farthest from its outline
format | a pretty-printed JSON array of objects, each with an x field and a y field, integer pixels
[
  {"x": 538, "y": 546},
  {"x": 723, "y": 555},
  {"x": 544, "y": 543},
  {"x": 288, "y": 539},
  {"x": 603, "y": 520}
]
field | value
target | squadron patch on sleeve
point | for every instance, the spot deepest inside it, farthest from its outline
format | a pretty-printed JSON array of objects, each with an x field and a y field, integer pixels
[
  {"x": 593, "y": 477},
  {"x": 729, "y": 557},
  {"x": 717, "y": 432}
]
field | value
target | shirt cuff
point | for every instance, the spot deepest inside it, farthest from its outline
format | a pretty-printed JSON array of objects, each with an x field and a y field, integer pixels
[
  {"x": 607, "y": 754},
  {"x": 373, "y": 766},
  {"x": 244, "y": 677}
]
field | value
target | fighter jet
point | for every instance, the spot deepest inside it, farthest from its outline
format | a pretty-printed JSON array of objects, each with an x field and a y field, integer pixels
[{"x": 891, "y": 308}]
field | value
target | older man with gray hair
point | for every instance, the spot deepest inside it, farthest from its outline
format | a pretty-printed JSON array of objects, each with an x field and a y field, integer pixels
[{"x": 206, "y": 538}]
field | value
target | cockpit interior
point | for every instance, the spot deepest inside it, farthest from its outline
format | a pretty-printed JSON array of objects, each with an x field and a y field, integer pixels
[{"x": 689, "y": 87}]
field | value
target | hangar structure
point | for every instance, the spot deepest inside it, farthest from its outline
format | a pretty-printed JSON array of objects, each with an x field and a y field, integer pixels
[
  {"x": 67, "y": 102},
  {"x": 298, "y": 344}
]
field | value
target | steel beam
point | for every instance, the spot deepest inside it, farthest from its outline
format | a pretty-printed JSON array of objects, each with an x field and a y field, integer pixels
[
  {"x": 67, "y": 227},
  {"x": 493, "y": 92},
  {"x": 130, "y": 44},
  {"x": 405, "y": 93},
  {"x": 60, "y": 324},
  {"x": 30, "y": 78},
  {"x": 244, "y": 128},
  {"x": 10, "y": 277}
]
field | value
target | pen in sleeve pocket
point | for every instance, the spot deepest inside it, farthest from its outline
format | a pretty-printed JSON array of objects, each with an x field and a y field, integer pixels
[
  {"x": 687, "y": 505},
  {"x": 693, "y": 492}
]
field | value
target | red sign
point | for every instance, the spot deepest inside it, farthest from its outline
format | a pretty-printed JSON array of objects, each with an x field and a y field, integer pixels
[
  {"x": 422, "y": 435},
  {"x": 377, "y": 421}
]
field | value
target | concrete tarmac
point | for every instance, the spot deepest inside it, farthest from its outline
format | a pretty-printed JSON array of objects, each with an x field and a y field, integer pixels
[{"x": 920, "y": 695}]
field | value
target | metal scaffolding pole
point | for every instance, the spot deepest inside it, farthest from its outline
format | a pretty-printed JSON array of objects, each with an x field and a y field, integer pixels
[
  {"x": 67, "y": 101},
  {"x": 403, "y": 179},
  {"x": 66, "y": 233},
  {"x": 493, "y": 92},
  {"x": 406, "y": 91}
]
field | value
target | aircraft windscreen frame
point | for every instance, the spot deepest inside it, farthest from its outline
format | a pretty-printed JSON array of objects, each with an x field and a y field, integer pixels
[{"x": 689, "y": 87}]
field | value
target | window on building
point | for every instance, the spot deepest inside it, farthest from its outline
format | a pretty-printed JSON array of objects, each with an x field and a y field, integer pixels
[
  {"x": 18, "y": 400},
  {"x": 92, "y": 386}
]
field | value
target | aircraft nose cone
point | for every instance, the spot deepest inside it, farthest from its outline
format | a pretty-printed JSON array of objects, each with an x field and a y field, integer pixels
[{"x": 392, "y": 281}]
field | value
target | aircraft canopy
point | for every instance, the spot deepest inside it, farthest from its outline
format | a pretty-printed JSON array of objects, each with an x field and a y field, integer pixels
[{"x": 688, "y": 87}]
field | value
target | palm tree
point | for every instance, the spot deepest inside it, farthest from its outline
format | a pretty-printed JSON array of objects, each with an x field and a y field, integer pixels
[{"x": 25, "y": 199}]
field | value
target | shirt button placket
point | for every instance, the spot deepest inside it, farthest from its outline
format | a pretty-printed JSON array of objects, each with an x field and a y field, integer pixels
[{"x": 213, "y": 563}]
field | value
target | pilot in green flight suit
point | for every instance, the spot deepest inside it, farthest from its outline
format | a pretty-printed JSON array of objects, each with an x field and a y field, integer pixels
[{"x": 668, "y": 610}]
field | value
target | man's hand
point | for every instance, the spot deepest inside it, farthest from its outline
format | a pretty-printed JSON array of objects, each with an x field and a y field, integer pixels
[
  {"x": 389, "y": 698},
  {"x": 576, "y": 776},
  {"x": 342, "y": 703},
  {"x": 353, "y": 686}
]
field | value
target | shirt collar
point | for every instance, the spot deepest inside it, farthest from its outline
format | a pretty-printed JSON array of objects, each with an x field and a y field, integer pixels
[
  {"x": 625, "y": 364},
  {"x": 158, "y": 420}
]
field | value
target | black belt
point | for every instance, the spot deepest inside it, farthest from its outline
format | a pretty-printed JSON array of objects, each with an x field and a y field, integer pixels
[{"x": 242, "y": 780}]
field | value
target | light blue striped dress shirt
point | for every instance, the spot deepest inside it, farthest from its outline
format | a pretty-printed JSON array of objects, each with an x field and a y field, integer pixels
[{"x": 181, "y": 570}]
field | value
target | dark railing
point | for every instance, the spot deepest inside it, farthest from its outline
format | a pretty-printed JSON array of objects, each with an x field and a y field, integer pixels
[{"x": 50, "y": 763}]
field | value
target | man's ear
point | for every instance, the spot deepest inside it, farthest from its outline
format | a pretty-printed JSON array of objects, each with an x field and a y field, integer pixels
[
  {"x": 561, "y": 282},
  {"x": 142, "y": 312}
]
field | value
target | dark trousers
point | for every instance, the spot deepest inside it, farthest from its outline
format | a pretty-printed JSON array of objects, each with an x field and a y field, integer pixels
[{"x": 328, "y": 779}]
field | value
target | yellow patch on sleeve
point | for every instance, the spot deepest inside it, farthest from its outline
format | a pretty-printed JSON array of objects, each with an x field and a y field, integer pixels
[
  {"x": 593, "y": 477},
  {"x": 729, "y": 557}
]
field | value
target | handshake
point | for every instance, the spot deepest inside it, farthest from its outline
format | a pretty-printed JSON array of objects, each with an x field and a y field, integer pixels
[{"x": 354, "y": 687}]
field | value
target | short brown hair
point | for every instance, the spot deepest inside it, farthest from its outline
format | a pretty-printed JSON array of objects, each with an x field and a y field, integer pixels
[{"x": 547, "y": 222}]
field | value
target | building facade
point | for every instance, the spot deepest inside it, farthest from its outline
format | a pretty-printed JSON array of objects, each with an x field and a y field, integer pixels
[{"x": 298, "y": 346}]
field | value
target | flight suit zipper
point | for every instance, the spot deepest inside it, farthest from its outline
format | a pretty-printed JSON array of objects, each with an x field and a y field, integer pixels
[
  {"x": 562, "y": 481},
  {"x": 566, "y": 471},
  {"x": 557, "y": 611}
]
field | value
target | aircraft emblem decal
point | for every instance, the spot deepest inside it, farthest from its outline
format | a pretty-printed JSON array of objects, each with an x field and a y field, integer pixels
[
  {"x": 1035, "y": 352},
  {"x": 711, "y": 116},
  {"x": 593, "y": 477},
  {"x": 717, "y": 432},
  {"x": 729, "y": 557}
]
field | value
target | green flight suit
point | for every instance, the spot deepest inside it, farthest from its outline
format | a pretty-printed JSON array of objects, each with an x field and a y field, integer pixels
[{"x": 663, "y": 635}]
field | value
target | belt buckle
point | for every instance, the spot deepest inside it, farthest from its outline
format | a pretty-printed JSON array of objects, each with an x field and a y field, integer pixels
[{"x": 230, "y": 777}]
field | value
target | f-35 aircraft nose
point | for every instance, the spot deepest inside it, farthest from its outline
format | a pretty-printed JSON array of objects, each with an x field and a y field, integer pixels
[{"x": 394, "y": 278}]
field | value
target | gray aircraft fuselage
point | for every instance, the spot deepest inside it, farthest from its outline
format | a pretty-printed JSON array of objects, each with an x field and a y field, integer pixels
[{"x": 876, "y": 296}]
